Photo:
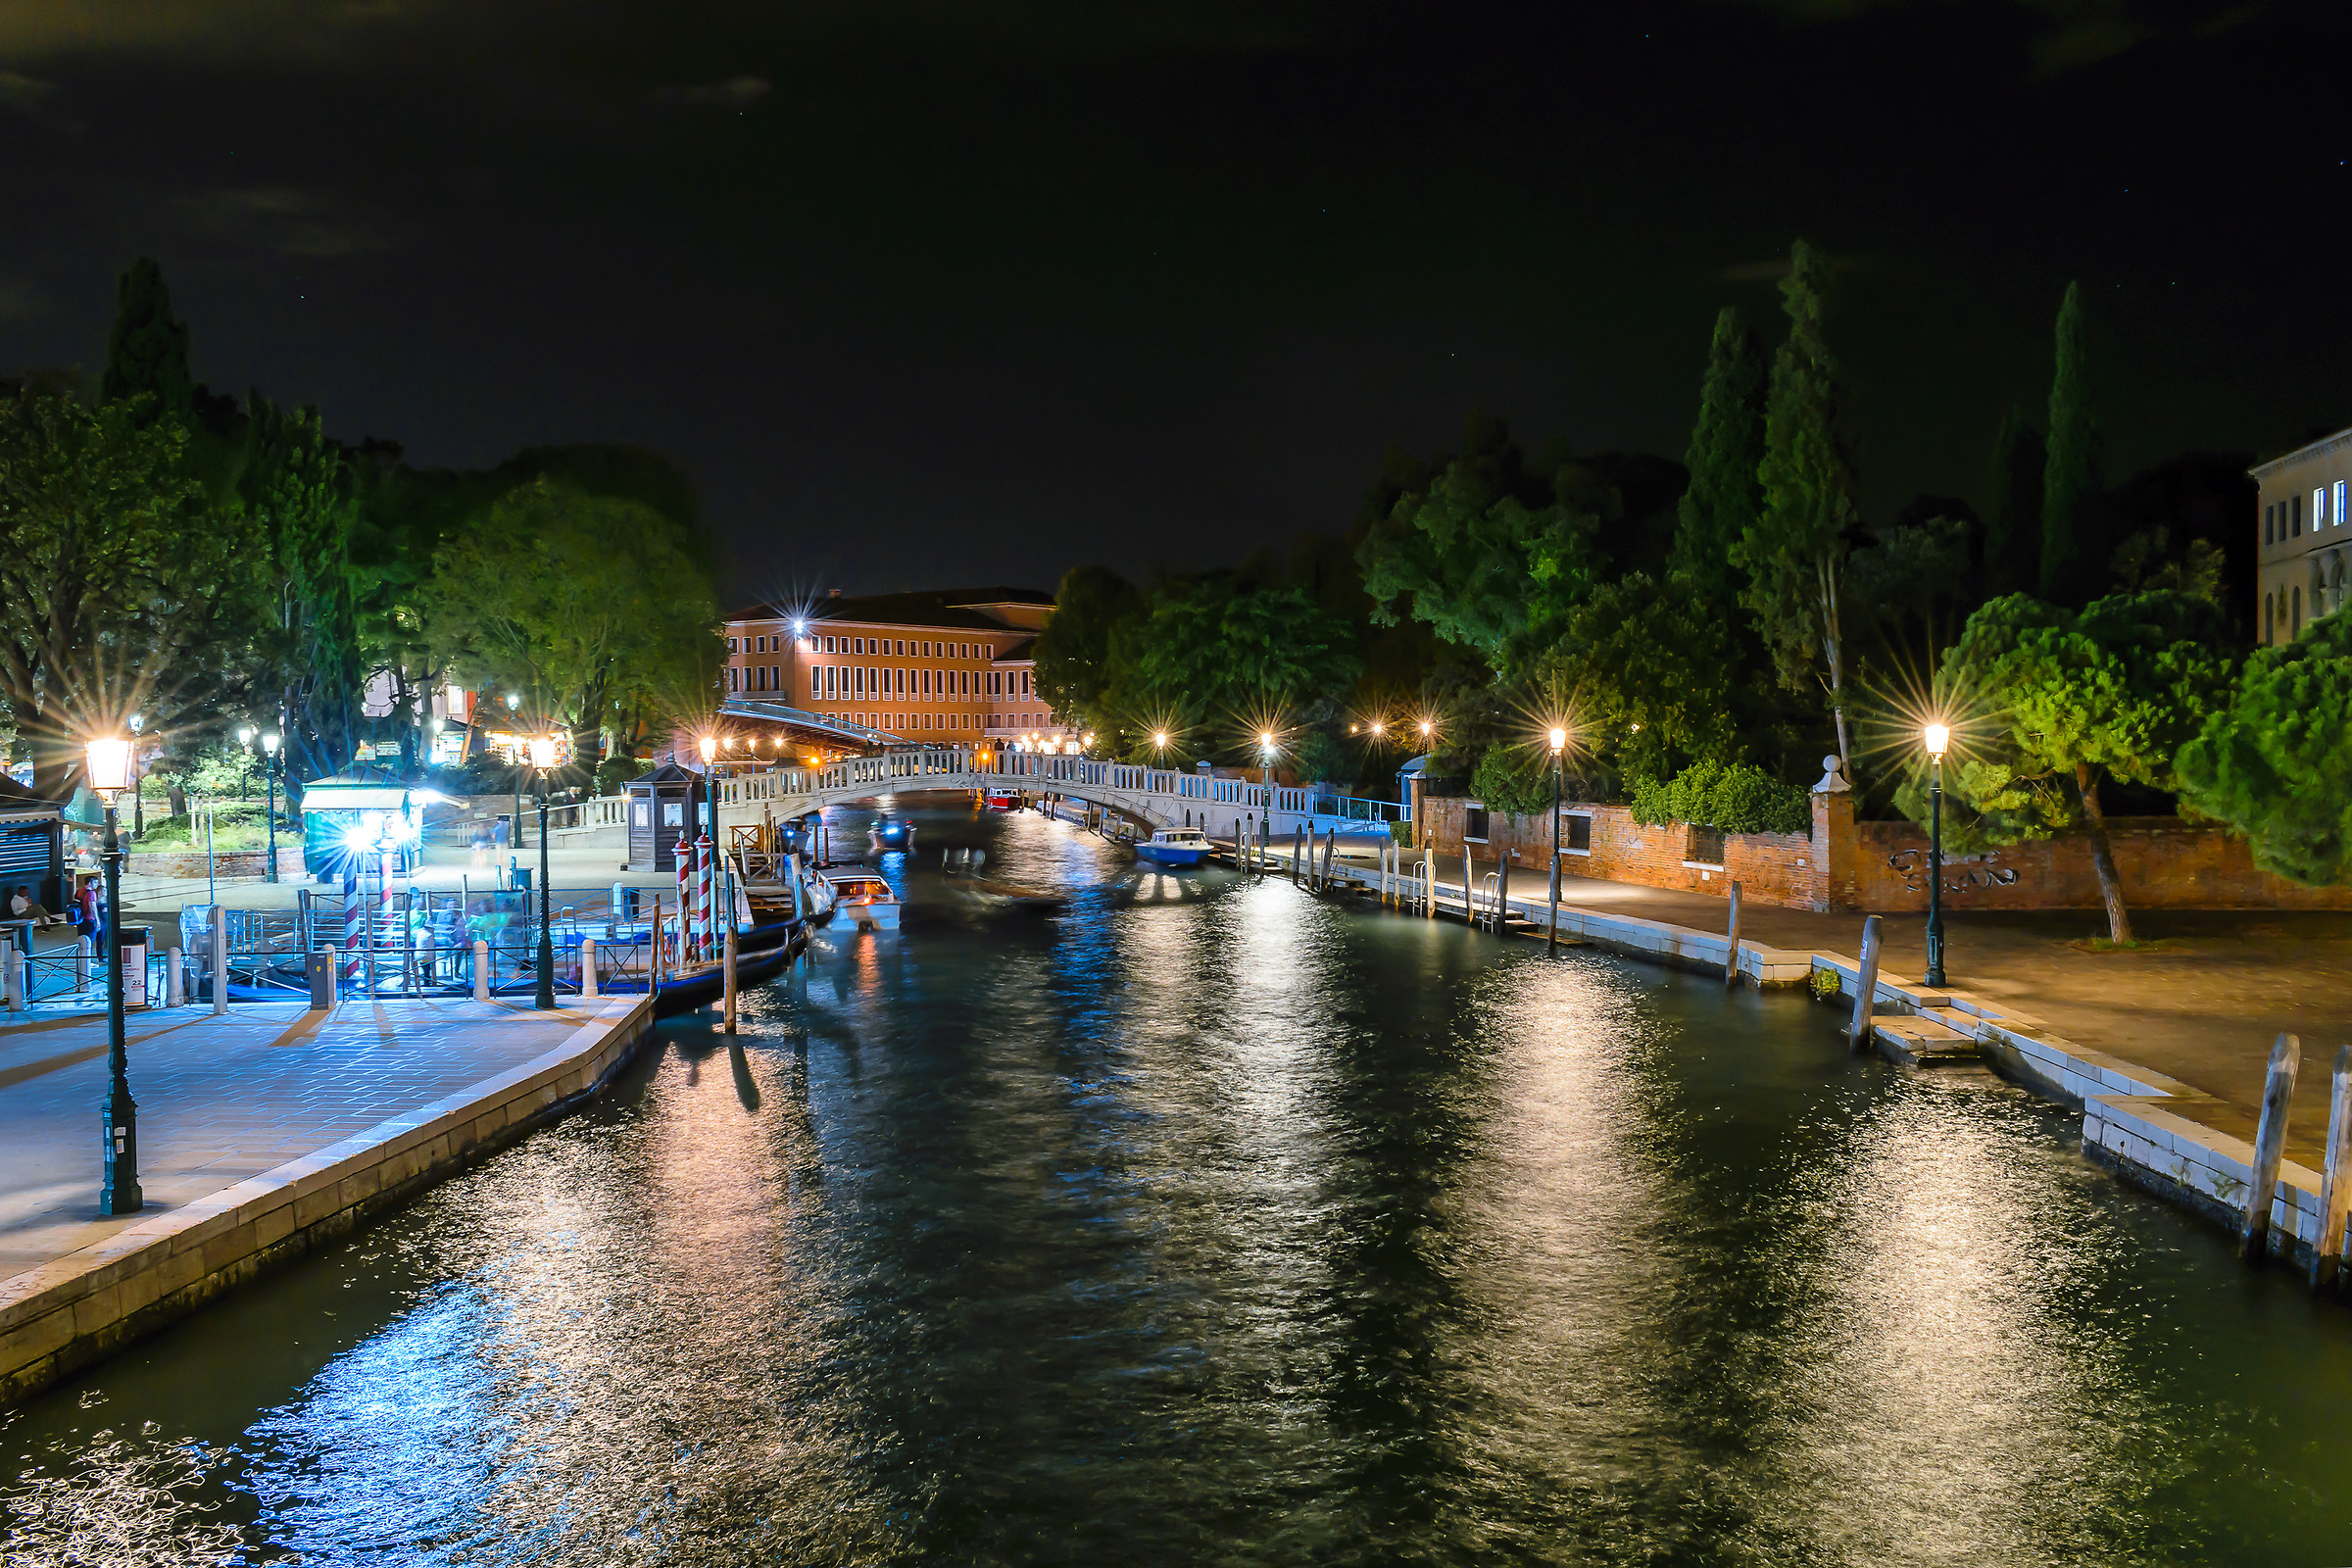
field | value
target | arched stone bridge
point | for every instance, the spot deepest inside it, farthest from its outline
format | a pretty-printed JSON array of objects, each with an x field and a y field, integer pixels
[{"x": 1149, "y": 797}]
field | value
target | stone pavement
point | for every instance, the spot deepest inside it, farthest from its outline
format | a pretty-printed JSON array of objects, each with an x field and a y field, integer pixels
[
  {"x": 2201, "y": 1004},
  {"x": 223, "y": 1099}
]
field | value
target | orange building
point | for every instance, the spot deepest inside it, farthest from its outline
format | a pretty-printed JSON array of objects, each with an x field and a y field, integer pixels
[{"x": 951, "y": 666}]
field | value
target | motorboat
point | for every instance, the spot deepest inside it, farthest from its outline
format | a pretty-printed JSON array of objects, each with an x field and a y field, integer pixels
[
  {"x": 1002, "y": 800},
  {"x": 1175, "y": 847},
  {"x": 893, "y": 833},
  {"x": 866, "y": 898}
]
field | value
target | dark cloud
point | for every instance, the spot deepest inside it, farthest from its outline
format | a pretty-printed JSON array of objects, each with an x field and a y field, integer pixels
[
  {"x": 281, "y": 221},
  {"x": 736, "y": 92}
]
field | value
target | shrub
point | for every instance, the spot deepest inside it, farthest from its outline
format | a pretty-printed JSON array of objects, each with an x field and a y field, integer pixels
[
  {"x": 1514, "y": 779},
  {"x": 1731, "y": 797}
]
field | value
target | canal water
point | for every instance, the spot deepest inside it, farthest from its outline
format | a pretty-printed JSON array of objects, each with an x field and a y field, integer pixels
[{"x": 1206, "y": 1223}]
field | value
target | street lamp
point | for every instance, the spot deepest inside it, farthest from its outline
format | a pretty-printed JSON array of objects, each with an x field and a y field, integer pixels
[
  {"x": 1551, "y": 931},
  {"x": 244, "y": 758},
  {"x": 269, "y": 742},
  {"x": 543, "y": 757},
  {"x": 109, "y": 759},
  {"x": 1939, "y": 739}
]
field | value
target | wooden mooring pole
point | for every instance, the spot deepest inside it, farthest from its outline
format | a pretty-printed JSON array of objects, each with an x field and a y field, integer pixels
[
  {"x": 1469, "y": 885},
  {"x": 1731, "y": 954},
  {"x": 1429, "y": 883},
  {"x": 2335, "y": 1188},
  {"x": 1866, "y": 989},
  {"x": 2270, "y": 1147}
]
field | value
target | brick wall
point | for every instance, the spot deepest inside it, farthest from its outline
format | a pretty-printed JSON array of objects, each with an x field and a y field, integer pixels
[
  {"x": 2163, "y": 862},
  {"x": 1783, "y": 869}
]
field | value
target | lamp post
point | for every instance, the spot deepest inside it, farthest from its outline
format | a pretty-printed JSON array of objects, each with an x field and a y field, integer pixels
[
  {"x": 244, "y": 758},
  {"x": 109, "y": 774},
  {"x": 543, "y": 757},
  {"x": 1939, "y": 738},
  {"x": 1552, "y": 930},
  {"x": 270, "y": 743},
  {"x": 1265, "y": 750}
]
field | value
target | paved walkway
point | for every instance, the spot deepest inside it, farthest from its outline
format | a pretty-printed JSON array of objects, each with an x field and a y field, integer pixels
[{"x": 221, "y": 1101}]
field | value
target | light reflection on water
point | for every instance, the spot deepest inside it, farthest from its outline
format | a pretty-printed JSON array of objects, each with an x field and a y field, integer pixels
[{"x": 1208, "y": 1223}]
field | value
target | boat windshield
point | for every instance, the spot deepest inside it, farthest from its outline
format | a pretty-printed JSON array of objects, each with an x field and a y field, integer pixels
[{"x": 861, "y": 887}]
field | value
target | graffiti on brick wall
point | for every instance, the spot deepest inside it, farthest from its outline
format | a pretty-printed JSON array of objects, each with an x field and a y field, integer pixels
[{"x": 1960, "y": 871}]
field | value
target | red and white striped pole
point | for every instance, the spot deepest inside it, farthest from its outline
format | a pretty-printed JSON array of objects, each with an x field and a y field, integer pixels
[
  {"x": 684, "y": 856},
  {"x": 351, "y": 917},
  {"x": 704, "y": 914}
]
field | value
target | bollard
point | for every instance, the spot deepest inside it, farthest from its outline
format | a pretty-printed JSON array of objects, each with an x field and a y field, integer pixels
[
  {"x": 1866, "y": 990},
  {"x": 482, "y": 969},
  {"x": 588, "y": 974},
  {"x": 1730, "y": 953},
  {"x": 2335, "y": 1188},
  {"x": 14, "y": 976},
  {"x": 176, "y": 983},
  {"x": 2270, "y": 1144},
  {"x": 219, "y": 961},
  {"x": 321, "y": 972},
  {"x": 81, "y": 963}
]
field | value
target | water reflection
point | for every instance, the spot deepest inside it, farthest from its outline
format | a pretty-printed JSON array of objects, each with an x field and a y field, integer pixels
[{"x": 1230, "y": 1225}]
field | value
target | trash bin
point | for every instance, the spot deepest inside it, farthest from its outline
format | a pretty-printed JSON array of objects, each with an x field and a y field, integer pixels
[
  {"x": 132, "y": 945},
  {"x": 321, "y": 974},
  {"x": 522, "y": 878}
]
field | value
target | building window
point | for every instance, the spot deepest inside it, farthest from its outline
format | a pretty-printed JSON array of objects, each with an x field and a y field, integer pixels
[
  {"x": 1576, "y": 834},
  {"x": 2294, "y": 523},
  {"x": 2267, "y": 513},
  {"x": 1024, "y": 693},
  {"x": 2319, "y": 509},
  {"x": 1704, "y": 846},
  {"x": 1474, "y": 824},
  {"x": 775, "y": 677},
  {"x": 733, "y": 684},
  {"x": 2339, "y": 503},
  {"x": 829, "y": 648}
]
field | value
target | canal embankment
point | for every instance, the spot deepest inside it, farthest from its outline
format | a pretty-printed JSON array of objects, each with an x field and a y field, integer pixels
[
  {"x": 263, "y": 1134},
  {"x": 2171, "y": 1135}
]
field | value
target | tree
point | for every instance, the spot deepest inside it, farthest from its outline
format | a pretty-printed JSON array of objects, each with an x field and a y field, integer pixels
[
  {"x": 1651, "y": 676},
  {"x": 1082, "y": 653},
  {"x": 1796, "y": 550},
  {"x": 588, "y": 604},
  {"x": 2113, "y": 691},
  {"x": 2273, "y": 762},
  {"x": 1727, "y": 449},
  {"x": 2070, "y": 480},
  {"x": 2013, "y": 508},
  {"x": 119, "y": 590},
  {"x": 1212, "y": 652},
  {"x": 147, "y": 352}
]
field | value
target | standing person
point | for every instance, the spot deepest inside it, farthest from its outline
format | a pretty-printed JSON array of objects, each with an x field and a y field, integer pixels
[
  {"x": 502, "y": 835},
  {"x": 481, "y": 843}
]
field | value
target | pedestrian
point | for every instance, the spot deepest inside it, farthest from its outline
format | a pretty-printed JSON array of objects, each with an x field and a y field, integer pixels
[
  {"x": 481, "y": 843},
  {"x": 500, "y": 835}
]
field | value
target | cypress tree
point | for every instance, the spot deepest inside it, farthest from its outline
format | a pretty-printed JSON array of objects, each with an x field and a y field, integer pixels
[
  {"x": 147, "y": 352},
  {"x": 1726, "y": 446},
  {"x": 1795, "y": 550},
  {"x": 2069, "y": 483},
  {"x": 2013, "y": 507}
]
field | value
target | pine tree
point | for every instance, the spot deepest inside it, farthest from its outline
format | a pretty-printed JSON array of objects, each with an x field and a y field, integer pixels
[
  {"x": 2070, "y": 482},
  {"x": 147, "y": 352},
  {"x": 2013, "y": 508},
  {"x": 1726, "y": 446},
  {"x": 1795, "y": 553}
]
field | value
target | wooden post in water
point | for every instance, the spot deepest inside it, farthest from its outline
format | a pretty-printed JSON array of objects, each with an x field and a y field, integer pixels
[
  {"x": 1503, "y": 892},
  {"x": 1330, "y": 847},
  {"x": 1731, "y": 956},
  {"x": 1551, "y": 922},
  {"x": 728, "y": 984},
  {"x": 2335, "y": 1189},
  {"x": 1429, "y": 883},
  {"x": 2269, "y": 1146},
  {"x": 1866, "y": 990},
  {"x": 1469, "y": 898},
  {"x": 1298, "y": 852}
]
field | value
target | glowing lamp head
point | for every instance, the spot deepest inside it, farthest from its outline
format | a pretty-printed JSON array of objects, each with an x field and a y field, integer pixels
[
  {"x": 110, "y": 765},
  {"x": 1558, "y": 738},
  {"x": 270, "y": 741},
  {"x": 1427, "y": 728},
  {"x": 1159, "y": 737},
  {"x": 1379, "y": 728},
  {"x": 513, "y": 701},
  {"x": 709, "y": 747},
  {"x": 245, "y": 735},
  {"x": 1090, "y": 737},
  {"x": 137, "y": 723},
  {"x": 543, "y": 752},
  {"x": 1939, "y": 740},
  {"x": 1265, "y": 740}
]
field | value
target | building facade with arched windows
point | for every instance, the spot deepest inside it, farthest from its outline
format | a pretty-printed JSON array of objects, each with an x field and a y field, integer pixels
[{"x": 2306, "y": 521}]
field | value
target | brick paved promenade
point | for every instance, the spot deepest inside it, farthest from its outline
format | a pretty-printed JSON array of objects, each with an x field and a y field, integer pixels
[{"x": 222, "y": 1099}]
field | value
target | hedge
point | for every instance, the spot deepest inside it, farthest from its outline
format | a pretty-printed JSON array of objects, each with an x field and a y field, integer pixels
[{"x": 1735, "y": 797}]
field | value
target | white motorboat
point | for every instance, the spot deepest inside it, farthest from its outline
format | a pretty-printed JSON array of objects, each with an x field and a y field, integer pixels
[{"x": 866, "y": 898}]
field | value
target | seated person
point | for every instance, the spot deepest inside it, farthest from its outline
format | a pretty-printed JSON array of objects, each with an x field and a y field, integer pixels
[{"x": 22, "y": 906}]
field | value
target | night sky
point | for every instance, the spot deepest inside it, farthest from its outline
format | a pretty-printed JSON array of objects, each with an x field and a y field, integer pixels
[{"x": 923, "y": 293}]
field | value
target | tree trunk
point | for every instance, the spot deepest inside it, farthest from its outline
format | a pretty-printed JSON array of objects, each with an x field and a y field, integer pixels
[
  {"x": 1832, "y": 652},
  {"x": 176, "y": 797},
  {"x": 2102, "y": 856}
]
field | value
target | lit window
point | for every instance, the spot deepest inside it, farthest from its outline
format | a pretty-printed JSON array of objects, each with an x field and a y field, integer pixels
[
  {"x": 2319, "y": 509},
  {"x": 2340, "y": 504}
]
